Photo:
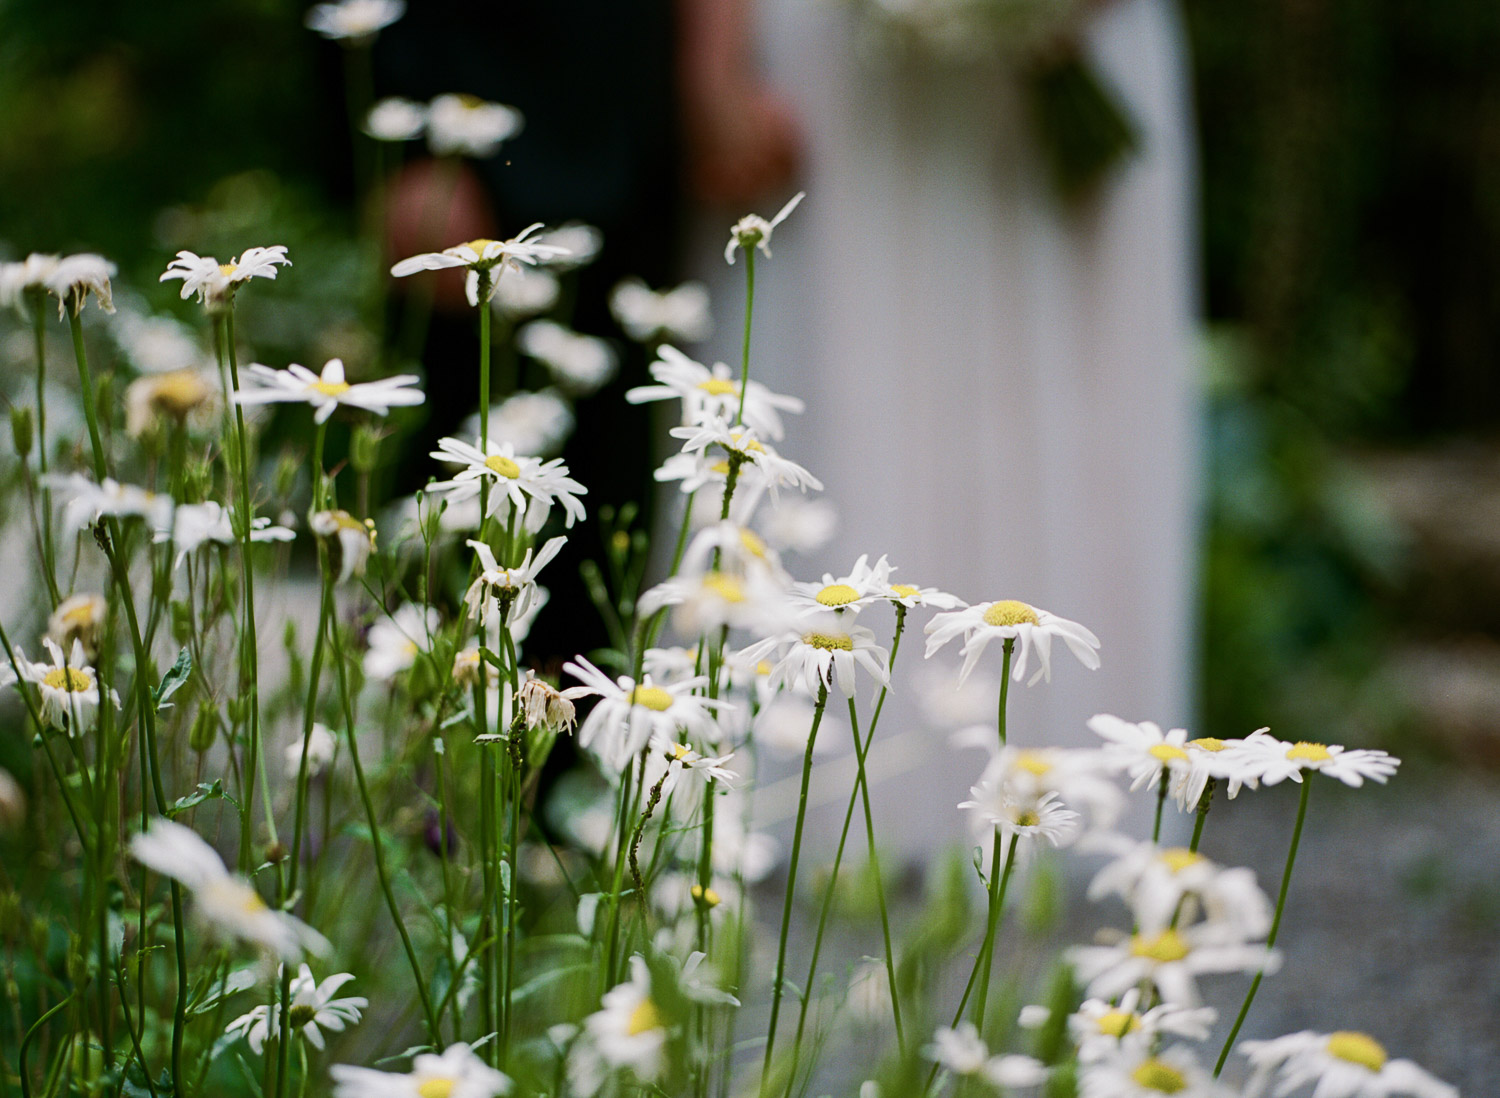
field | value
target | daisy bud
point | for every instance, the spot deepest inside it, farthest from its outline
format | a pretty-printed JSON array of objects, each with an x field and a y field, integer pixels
[
  {"x": 276, "y": 853},
  {"x": 364, "y": 449},
  {"x": 466, "y": 667},
  {"x": 205, "y": 729},
  {"x": 705, "y": 896},
  {"x": 20, "y": 429}
]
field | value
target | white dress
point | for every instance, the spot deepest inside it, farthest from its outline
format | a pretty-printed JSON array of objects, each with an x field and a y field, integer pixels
[{"x": 1000, "y": 393}]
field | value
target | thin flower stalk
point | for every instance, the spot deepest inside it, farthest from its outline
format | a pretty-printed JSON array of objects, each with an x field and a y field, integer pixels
[
  {"x": 1286, "y": 880},
  {"x": 39, "y": 337}
]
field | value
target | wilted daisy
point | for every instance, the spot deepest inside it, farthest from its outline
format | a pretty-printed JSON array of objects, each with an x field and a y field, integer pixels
[
  {"x": 224, "y": 900},
  {"x": 215, "y": 282},
  {"x": 513, "y": 476},
  {"x": 396, "y": 640},
  {"x": 321, "y": 748},
  {"x": 68, "y": 688},
  {"x": 350, "y": 540},
  {"x": 754, "y": 231},
  {"x": 1345, "y": 1064},
  {"x": 78, "y": 619},
  {"x": 629, "y": 1031},
  {"x": 1164, "y": 885},
  {"x": 822, "y": 652},
  {"x": 464, "y": 125},
  {"x": 580, "y": 364},
  {"x": 1132, "y": 1071},
  {"x": 395, "y": 119},
  {"x": 77, "y": 276},
  {"x": 1008, "y": 619},
  {"x": 88, "y": 502},
  {"x": 312, "y": 1005},
  {"x": 517, "y": 584},
  {"x": 356, "y": 21},
  {"x": 457, "y": 1073},
  {"x": 628, "y": 715},
  {"x": 172, "y": 395},
  {"x": 1172, "y": 960},
  {"x": 525, "y": 291},
  {"x": 713, "y": 394},
  {"x": 741, "y": 442},
  {"x": 648, "y": 315},
  {"x": 1276, "y": 760},
  {"x": 546, "y": 707},
  {"x": 326, "y": 391},
  {"x": 196, "y": 524}
]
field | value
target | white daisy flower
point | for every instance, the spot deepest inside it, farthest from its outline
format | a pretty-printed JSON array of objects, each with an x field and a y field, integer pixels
[
  {"x": 580, "y": 364},
  {"x": 1131, "y": 1071},
  {"x": 963, "y": 1052},
  {"x": 779, "y": 472},
  {"x": 704, "y": 601},
  {"x": 1099, "y": 1028},
  {"x": 350, "y": 540},
  {"x": 215, "y": 282},
  {"x": 783, "y": 725},
  {"x": 88, "y": 502},
  {"x": 326, "y": 391},
  {"x": 77, "y": 276},
  {"x": 395, "y": 119},
  {"x": 311, "y": 1005},
  {"x": 629, "y": 1031},
  {"x": 577, "y": 244},
  {"x": 629, "y": 716},
  {"x": 534, "y": 423},
  {"x": 514, "y": 477},
  {"x": 822, "y": 652},
  {"x": 754, "y": 231},
  {"x": 464, "y": 125},
  {"x": 396, "y": 640},
  {"x": 355, "y": 21},
  {"x": 157, "y": 344},
  {"x": 518, "y": 583},
  {"x": 30, "y": 274},
  {"x": 737, "y": 549},
  {"x": 226, "y": 901},
  {"x": 1009, "y": 619},
  {"x": 1164, "y": 885},
  {"x": 1213, "y": 758},
  {"x": 1276, "y": 760},
  {"x": 1345, "y": 1064},
  {"x": 1027, "y": 774},
  {"x": 863, "y": 585},
  {"x": 322, "y": 746},
  {"x": 1030, "y": 822},
  {"x": 693, "y": 471},
  {"x": 457, "y": 1073},
  {"x": 648, "y": 315},
  {"x": 1172, "y": 960},
  {"x": 799, "y": 525},
  {"x": 195, "y": 524},
  {"x": 68, "y": 688},
  {"x": 483, "y": 254},
  {"x": 681, "y": 758},
  {"x": 78, "y": 619},
  {"x": 525, "y": 291},
  {"x": 713, "y": 394},
  {"x": 1143, "y": 750}
]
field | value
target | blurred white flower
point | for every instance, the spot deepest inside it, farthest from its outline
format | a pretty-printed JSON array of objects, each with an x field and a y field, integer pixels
[
  {"x": 321, "y": 748},
  {"x": 396, "y": 640},
  {"x": 78, "y": 619},
  {"x": 156, "y": 344},
  {"x": 629, "y": 1031},
  {"x": 463, "y": 125},
  {"x": 88, "y": 502},
  {"x": 1172, "y": 960},
  {"x": 577, "y": 245},
  {"x": 534, "y": 423},
  {"x": 350, "y": 540},
  {"x": 752, "y": 230},
  {"x": 30, "y": 273},
  {"x": 225, "y": 900},
  {"x": 1133, "y": 1071},
  {"x": 357, "y": 21},
  {"x": 1345, "y": 1064},
  {"x": 647, "y": 315},
  {"x": 395, "y": 119},
  {"x": 1170, "y": 885},
  {"x": 525, "y": 291},
  {"x": 800, "y": 525},
  {"x": 581, "y": 364},
  {"x": 457, "y": 1073},
  {"x": 326, "y": 391},
  {"x": 196, "y": 524},
  {"x": 175, "y": 394}
]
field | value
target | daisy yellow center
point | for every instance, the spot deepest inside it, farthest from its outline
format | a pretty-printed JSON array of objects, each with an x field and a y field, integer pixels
[
  {"x": 829, "y": 642},
  {"x": 1155, "y": 1075},
  {"x": 501, "y": 465},
  {"x": 1166, "y": 752},
  {"x": 228, "y": 269},
  {"x": 837, "y": 594},
  {"x": 1166, "y": 947},
  {"x": 904, "y": 591},
  {"x": 179, "y": 391},
  {"x": 440, "y": 1087},
  {"x": 1303, "y": 751},
  {"x": 82, "y": 614},
  {"x": 68, "y": 678},
  {"x": 346, "y": 521},
  {"x": 252, "y": 904},
  {"x": 643, "y": 1018},
  {"x": 652, "y": 697},
  {"x": 1033, "y": 763},
  {"x": 747, "y": 445},
  {"x": 1027, "y": 819},
  {"x": 705, "y": 896},
  {"x": 1117, "y": 1023},
  {"x": 1357, "y": 1048},
  {"x": 469, "y": 103},
  {"x": 726, "y": 587},
  {"x": 330, "y": 388},
  {"x": 1010, "y": 612},
  {"x": 1208, "y": 743},
  {"x": 720, "y": 467},
  {"x": 718, "y": 386},
  {"x": 763, "y": 667},
  {"x": 680, "y": 751},
  {"x": 1179, "y": 858},
  {"x": 753, "y": 543},
  {"x": 620, "y": 541}
]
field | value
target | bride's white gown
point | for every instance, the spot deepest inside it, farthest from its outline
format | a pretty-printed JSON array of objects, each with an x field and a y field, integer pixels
[{"x": 999, "y": 392}]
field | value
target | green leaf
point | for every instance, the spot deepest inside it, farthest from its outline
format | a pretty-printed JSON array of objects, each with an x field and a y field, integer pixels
[
  {"x": 173, "y": 680},
  {"x": 204, "y": 792}
]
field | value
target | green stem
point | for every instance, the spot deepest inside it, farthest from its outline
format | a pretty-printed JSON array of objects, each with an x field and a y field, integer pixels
[
  {"x": 1286, "y": 880},
  {"x": 1204, "y": 803},
  {"x": 997, "y": 908},
  {"x": 90, "y": 402},
  {"x": 1161, "y": 800},
  {"x": 791, "y": 885},
  {"x": 39, "y": 334},
  {"x": 745, "y": 350},
  {"x": 885, "y": 919},
  {"x": 26, "y": 1044}
]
